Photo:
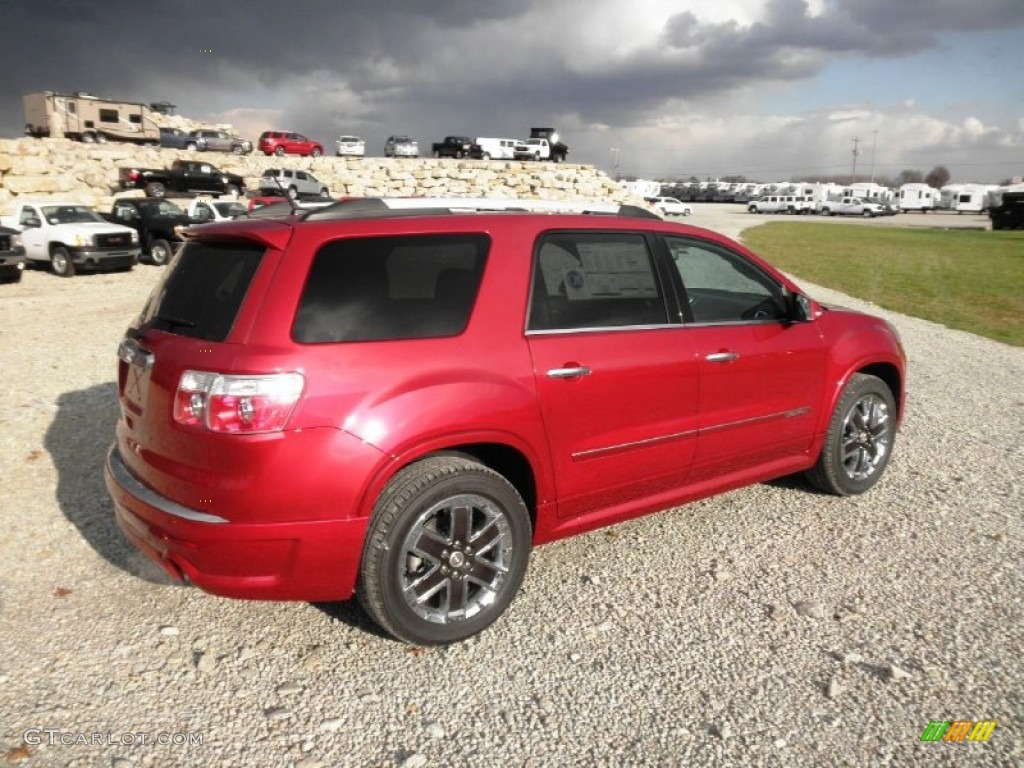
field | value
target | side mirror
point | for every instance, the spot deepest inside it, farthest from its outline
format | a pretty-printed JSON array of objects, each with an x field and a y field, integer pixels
[
  {"x": 803, "y": 309},
  {"x": 32, "y": 223}
]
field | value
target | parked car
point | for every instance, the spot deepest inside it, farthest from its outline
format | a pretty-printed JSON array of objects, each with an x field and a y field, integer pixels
[
  {"x": 174, "y": 138},
  {"x": 288, "y": 143},
  {"x": 401, "y": 146},
  {"x": 408, "y": 400},
  {"x": 350, "y": 146},
  {"x": 670, "y": 206},
  {"x": 184, "y": 176},
  {"x": 292, "y": 183},
  {"x": 70, "y": 237},
  {"x": 452, "y": 146},
  {"x": 12, "y": 255},
  {"x": 217, "y": 141},
  {"x": 485, "y": 148},
  {"x": 159, "y": 223},
  {"x": 206, "y": 209},
  {"x": 792, "y": 204},
  {"x": 852, "y": 206}
]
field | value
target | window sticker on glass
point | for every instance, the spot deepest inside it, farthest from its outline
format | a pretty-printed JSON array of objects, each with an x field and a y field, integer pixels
[{"x": 611, "y": 270}]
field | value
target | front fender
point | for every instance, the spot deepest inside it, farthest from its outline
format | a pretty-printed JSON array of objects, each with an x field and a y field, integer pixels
[{"x": 870, "y": 346}]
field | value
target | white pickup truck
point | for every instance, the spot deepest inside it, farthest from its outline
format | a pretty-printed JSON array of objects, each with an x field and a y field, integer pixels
[
  {"x": 69, "y": 236},
  {"x": 205, "y": 209},
  {"x": 852, "y": 206}
]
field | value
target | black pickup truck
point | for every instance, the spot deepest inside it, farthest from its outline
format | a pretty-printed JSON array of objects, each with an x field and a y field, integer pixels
[
  {"x": 158, "y": 223},
  {"x": 183, "y": 177},
  {"x": 452, "y": 146},
  {"x": 12, "y": 255}
]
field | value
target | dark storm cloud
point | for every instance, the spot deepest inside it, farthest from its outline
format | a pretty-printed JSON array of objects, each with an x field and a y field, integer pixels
[{"x": 441, "y": 66}]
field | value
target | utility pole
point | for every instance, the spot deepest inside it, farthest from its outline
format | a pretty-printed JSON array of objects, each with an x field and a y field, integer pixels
[
  {"x": 615, "y": 161},
  {"x": 856, "y": 152},
  {"x": 874, "y": 143}
]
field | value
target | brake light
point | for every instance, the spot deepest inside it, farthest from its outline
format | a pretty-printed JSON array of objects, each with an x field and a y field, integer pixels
[{"x": 236, "y": 404}]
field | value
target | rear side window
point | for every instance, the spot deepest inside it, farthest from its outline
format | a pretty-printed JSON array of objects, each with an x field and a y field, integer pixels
[
  {"x": 594, "y": 280},
  {"x": 372, "y": 289},
  {"x": 203, "y": 291}
]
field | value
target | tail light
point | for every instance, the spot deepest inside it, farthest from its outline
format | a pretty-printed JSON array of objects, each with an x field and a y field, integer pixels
[{"x": 236, "y": 404}]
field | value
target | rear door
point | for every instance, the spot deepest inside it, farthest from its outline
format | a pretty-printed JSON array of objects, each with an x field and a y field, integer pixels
[{"x": 616, "y": 377}]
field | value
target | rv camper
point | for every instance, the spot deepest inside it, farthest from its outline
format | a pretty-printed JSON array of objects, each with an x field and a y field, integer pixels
[
  {"x": 88, "y": 118},
  {"x": 918, "y": 197}
]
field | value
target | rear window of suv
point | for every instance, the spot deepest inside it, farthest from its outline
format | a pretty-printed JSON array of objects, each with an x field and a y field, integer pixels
[
  {"x": 202, "y": 293},
  {"x": 380, "y": 288}
]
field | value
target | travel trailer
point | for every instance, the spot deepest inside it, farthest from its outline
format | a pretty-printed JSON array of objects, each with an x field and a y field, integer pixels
[
  {"x": 918, "y": 197},
  {"x": 966, "y": 198},
  {"x": 88, "y": 118}
]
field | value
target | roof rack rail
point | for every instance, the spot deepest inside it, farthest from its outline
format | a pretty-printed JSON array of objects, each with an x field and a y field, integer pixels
[{"x": 362, "y": 207}]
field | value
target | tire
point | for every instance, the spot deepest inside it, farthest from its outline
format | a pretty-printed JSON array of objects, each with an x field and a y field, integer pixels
[
  {"x": 88, "y": 138},
  {"x": 324, "y": 192},
  {"x": 192, "y": 147},
  {"x": 436, "y": 153},
  {"x": 860, "y": 438},
  {"x": 101, "y": 138},
  {"x": 293, "y": 193},
  {"x": 61, "y": 263},
  {"x": 316, "y": 152},
  {"x": 231, "y": 189},
  {"x": 752, "y": 209},
  {"x": 459, "y": 154},
  {"x": 238, "y": 149},
  {"x": 160, "y": 252},
  {"x": 155, "y": 189},
  {"x": 410, "y": 543},
  {"x": 868, "y": 215},
  {"x": 485, "y": 156},
  {"x": 279, "y": 151},
  {"x": 826, "y": 211}
]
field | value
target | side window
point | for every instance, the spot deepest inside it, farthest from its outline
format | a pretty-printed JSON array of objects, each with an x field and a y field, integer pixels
[
  {"x": 300, "y": 175},
  {"x": 723, "y": 286},
  {"x": 594, "y": 280},
  {"x": 377, "y": 288}
]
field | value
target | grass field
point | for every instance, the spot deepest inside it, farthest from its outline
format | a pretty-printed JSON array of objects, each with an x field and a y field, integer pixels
[{"x": 970, "y": 280}]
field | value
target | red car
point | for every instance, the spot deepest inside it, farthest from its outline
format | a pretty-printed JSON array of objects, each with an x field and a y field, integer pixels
[
  {"x": 400, "y": 403},
  {"x": 288, "y": 143}
]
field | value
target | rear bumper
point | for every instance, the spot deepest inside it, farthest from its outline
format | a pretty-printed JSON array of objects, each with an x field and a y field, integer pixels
[{"x": 306, "y": 560}]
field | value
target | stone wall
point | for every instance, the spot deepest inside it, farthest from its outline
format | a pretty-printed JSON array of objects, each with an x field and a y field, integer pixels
[{"x": 88, "y": 173}]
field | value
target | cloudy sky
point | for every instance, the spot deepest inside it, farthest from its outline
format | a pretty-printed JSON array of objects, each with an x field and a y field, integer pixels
[{"x": 770, "y": 89}]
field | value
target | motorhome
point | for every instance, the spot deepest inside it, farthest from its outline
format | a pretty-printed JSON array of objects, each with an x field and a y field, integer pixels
[
  {"x": 88, "y": 118},
  {"x": 918, "y": 197}
]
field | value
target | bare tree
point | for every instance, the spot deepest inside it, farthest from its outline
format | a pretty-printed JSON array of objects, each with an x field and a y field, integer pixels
[
  {"x": 938, "y": 177},
  {"x": 907, "y": 176}
]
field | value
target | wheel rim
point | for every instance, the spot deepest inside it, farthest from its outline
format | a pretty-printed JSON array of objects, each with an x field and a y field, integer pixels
[
  {"x": 455, "y": 559},
  {"x": 60, "y": 263},
  {"x": 159, "y": 254},
  {"x": 866, "y": 437}
]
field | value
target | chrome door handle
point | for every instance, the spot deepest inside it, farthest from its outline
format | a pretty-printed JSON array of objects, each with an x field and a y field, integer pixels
[
  {"x": 568, "y": 373},
  {"x": 722, "y": 357}
]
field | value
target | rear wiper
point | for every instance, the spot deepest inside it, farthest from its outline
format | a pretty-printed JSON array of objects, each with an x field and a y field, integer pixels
[{"x": 175, "y": 321}]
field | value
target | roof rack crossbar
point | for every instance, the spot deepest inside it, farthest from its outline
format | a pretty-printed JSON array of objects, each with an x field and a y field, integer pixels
[{"x": 435, "y": 205}]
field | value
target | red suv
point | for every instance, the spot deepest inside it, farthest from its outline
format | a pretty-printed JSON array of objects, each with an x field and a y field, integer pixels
[
  {"x": 288, "y": 143},
  {"x": 398, "y": 402}
]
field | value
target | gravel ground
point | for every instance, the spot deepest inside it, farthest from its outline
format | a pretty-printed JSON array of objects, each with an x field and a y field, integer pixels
[{"x": 770, "y": 626}]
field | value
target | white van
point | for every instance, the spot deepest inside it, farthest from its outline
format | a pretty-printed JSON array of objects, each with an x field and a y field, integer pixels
[{"x": 494, "y": 149}]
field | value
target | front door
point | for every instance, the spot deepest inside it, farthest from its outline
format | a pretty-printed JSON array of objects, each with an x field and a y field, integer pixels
[{"x": 761, "y": 373}]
